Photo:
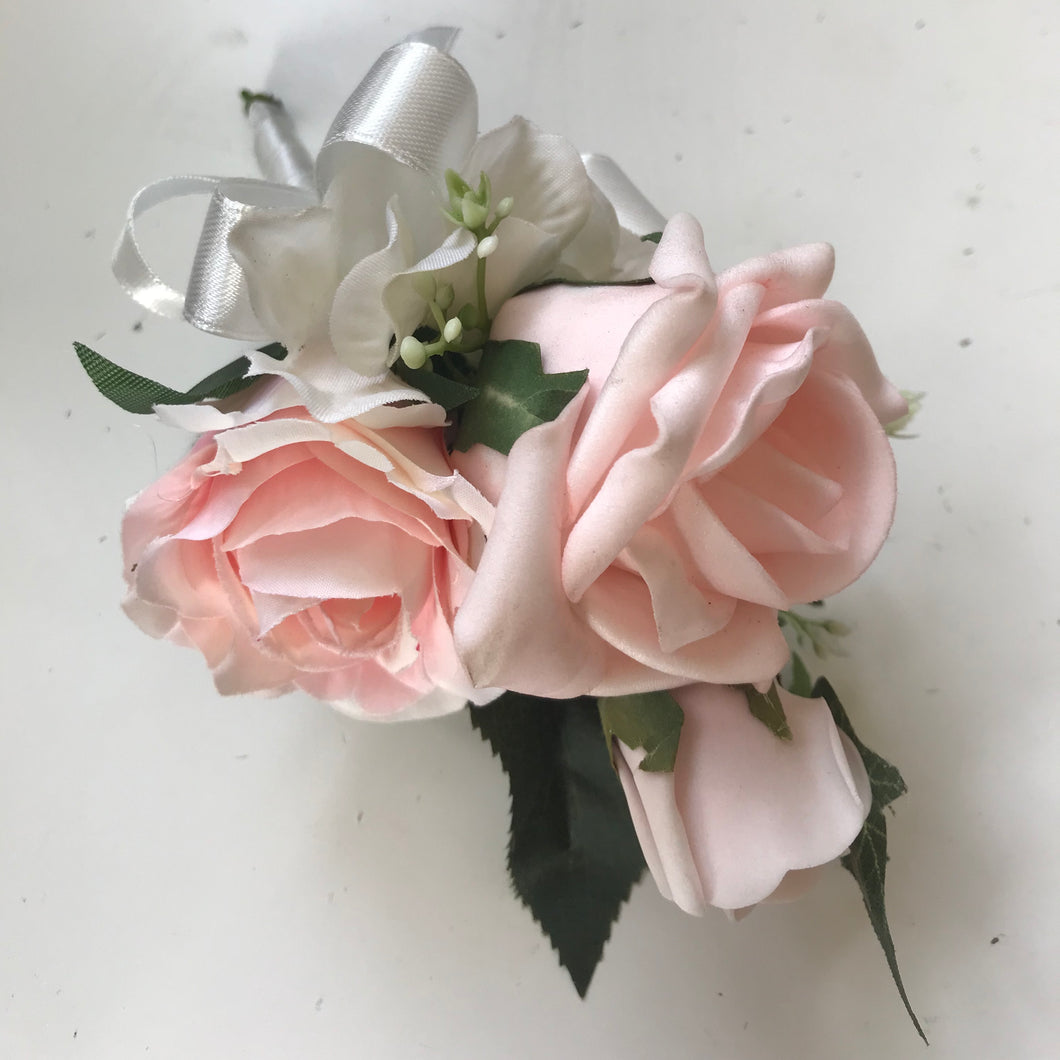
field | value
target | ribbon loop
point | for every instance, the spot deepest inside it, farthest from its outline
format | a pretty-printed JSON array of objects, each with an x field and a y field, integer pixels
[
  {"x": 417, "y": 106},
  {"x": 633, "y": 210},
  {"x": 128, "y": 264},
  {"x": 217, "y": 299}
]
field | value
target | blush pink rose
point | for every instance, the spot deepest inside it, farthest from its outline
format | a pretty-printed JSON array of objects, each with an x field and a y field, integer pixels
[
  {"x": 725, "y": 460},
  {"x": 325, "y": 557},
  {"x": 745, "y": 817}
]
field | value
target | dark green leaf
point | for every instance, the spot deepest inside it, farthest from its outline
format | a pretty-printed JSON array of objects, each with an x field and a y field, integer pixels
[
  {"x": 887, "y": 783},
  {"x": 448, "y": 393},
  {"x": 867, "y": 858},
  {"x": 136, "y": 393},
  {"x": 647, "y": 281},
  {"x": 514, "y": 395},
  {"x": 573, "y": 854},
  {"x": 768, "y": 709},
  {"x": 651, "y": 237},
  {"x": 651, "y": 720},
  {"x": 800, "y": 683}
]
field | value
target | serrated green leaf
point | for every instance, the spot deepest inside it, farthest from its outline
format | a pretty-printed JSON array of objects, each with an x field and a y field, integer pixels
[
  {"x": 514, "y": 395},
  {"x": 651, "y": 237},
  {"x": 768, "y": 709},
  {"x": 138, "y": 394},
  {"x": 573, "y": 854},
  {"x": 866, "y": 860},
  {"x": 449, "y": 393},
  {"x": 651, "y": 720}
]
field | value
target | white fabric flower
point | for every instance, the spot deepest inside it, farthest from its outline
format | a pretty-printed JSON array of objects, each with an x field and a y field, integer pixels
[{"x": 335, "y": 283}]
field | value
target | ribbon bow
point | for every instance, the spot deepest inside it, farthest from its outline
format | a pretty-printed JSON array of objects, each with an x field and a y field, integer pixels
[{"x": 412, "y": 117}]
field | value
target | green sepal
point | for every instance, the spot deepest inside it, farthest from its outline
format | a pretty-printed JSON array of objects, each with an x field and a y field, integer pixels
[
  {"x": 800, "y": 683},
  {"x": 768, "y": 709},
  {"x": 866, "y": 860},
  {"x": 573, "y": 854},
  {"x": 449, "y": 393},
  {"x": 651, "y": 237},
  {"x": 915, "y": 401},
  {"x": 651, "y": 720},
  {"x": 457, "y": 188},
  {"x": 138, "y": 394},
  {"x": 249, "y": 97},
  {"x": 514, "y": 395}
]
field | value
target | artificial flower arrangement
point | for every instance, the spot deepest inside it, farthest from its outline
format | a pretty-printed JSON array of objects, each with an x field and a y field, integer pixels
[{"x": 510, "y": 444}]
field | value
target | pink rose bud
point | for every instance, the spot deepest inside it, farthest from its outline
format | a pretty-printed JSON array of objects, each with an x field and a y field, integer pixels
[
  {"x": 745, "y": 817},
  {"x": 725, "y": 460},
  {"x": 325, "y": 557}
]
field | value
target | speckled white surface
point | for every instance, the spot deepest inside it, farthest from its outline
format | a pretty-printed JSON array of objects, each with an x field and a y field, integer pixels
[{"x": 185, "y": 876}]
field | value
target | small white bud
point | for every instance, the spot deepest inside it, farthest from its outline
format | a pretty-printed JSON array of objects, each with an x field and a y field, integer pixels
[
  {"x": 424, "y": 284},
  {"x": 413, "y": 352},
  {"x": 504, "y": 207},
  {"x": 487, "y": 246},
  {"x": 453, "y": 330}
]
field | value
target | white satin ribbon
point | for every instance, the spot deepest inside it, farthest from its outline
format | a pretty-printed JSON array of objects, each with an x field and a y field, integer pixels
[{"x": 416, "y": 108}]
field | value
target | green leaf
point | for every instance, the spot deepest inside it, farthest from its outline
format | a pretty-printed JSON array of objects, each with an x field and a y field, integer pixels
[
  {"x": 768, "y": 709},
  {"x": 800, "y": 683},
  {"x": 573, "y": 855},
  {"x": 651, "y": 237},
  {"x": 867, "y": 859},
  {"x": 138, "y": 394},
  {"x": 448, "y": 393},
  {"x": 514, "y": 395},
  {"x": 651, "y": 720}
]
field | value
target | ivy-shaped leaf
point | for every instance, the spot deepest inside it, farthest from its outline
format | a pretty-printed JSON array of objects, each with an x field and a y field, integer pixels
[
  {"x": 138, "y": 394},
  {"x": 867, "y": 859},
  {"x": 449, "y": 393},
  {"x": 651, "y": 720},
  {"x": 514, "y": 395},
  {"x": 768, "y": 709},
  {"x": 573, "y": 855}
]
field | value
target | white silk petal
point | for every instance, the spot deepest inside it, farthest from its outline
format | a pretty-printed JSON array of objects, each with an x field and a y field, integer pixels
[
  {"x": 330, "y": 390},
  {"x": 541, "y": 172},
  {"x": 360, "y": 326},
  {"x": 290, "y": 262}
]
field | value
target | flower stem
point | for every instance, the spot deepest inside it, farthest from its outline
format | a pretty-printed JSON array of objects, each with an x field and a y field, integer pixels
[{"x": 480, "y": 282}]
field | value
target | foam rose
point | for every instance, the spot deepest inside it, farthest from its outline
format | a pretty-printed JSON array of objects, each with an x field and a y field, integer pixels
[
  {"x": 325, "y": 557},
  {"x": 725, "y": 460},
  {"x": 745, "y": 817}
]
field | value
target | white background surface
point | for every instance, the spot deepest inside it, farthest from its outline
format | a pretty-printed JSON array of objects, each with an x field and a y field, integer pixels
[{"x": 186, "y": 876}]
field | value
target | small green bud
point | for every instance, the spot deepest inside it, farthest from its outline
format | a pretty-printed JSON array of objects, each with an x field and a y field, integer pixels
[
  {"x": 424, "y": 284},
  {"x": 453, "y": 330},
  {"x": 484, "y": 192},
  {"x": 504, "y": 207},
  {"x": 413, "y": 352},
  {"x": 474, "y": 213},
  {"x": 487, "y": 246},
  {"x": 444, "y": 296},
  {"x": 837, "y": 629}
]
